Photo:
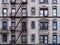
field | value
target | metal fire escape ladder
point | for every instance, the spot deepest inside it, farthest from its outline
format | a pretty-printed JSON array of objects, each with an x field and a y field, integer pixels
[
  {"x": 20, "y": 19},
  {"x": 18, "y": 22}
]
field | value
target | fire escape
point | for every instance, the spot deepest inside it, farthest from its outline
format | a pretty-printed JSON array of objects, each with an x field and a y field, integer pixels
[{"x": 23, "y": 30}]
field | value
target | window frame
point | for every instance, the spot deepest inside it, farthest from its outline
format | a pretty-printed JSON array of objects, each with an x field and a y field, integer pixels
[
  {"x": 4, "y": 26},
  {"x": 54, "y": 39},
  {"x": 32, "y": 10},
  {"x": 13, "y": 36},
  {"x": 54, "y": 2},
  {"x": 43, "y": 2},
  {"x": 5, "y": 13},
  {"x": 43, "y": 39},
  {"x": 22, "y": 12},
  {"x": 25, "y": 40},
  {"x": 33, "y": 0},
  {"x": 33, "y": 38},
  {"x": 54, "y": 8},
  {"x": 24, "y": 25},
  {"x": 43, "y": 25},
  {"x": 6, "y": 2},
  {"x": 43, "y": 10},
  {"x": 13, "y": 13},
  {"x": 55, "y": 24},
  {"x": 4, "y": 35},
  {"x": 12, "y": 25},
  {"x": 33, "y": 25}
]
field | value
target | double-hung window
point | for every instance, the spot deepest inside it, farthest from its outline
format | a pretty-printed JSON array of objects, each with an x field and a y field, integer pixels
[
  {"x": 44, "y": 12},
  {"x": 33, "y": 11},
  {"x": 5, "y": 11},
  {"x": 24, "y": 11},
  {"x": 4, "y": 25},
  {"x": 4, "y": 38},
  {"x": 24, "y": 39},
  {"x": 13, "y": 25},
  {"x": 54, "y": 1},
  {"x": 43, "y": 39},
  {"x": 43, "y": 25},
  {"x": 33, "y": 24},
  {"x": 32, "y": 38},
  {"x": 13, "y": 11},
  {"x": 43, "y": 1},
  {"x": 54, "y": 39},
  {"x": 5, "y": 1},
  {"x": 54, "y": 25},
  {"x": 54, "y": 12}
]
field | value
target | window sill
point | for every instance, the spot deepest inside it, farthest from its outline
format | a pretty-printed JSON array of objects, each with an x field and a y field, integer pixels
[
  {"x": 5, "y": 3},
  {"x": 54, "y": 3},
  {"x": 43, "y": 3}
]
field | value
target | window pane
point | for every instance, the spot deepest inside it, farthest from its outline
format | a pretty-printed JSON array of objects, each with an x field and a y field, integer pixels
[
  {"x": 41, "y": 38},
  {"x": 24, "y": 11},
  {"x": 33, "y": 10},
  {"x": 4, "y": 38},
  {"x": 4, "y": 25},
  {"x": 32, "y": 0},
  {"x": 13, "y": 10},
  {"x": 24, "y": 39},
  {"x": 13, "y": 37},
  {"x": 33, "y": 25},
  {"x": 54, "y": 1},
  {"x": 54, "y": 38},
  {"x": 54, "y": 25},
  {"x": 41, "y": 0},
  {"x": 32, "y": 38},
  {"x": 41, "y": 12},
  {"x": 46, "y": 13},
  {"x": 54, "y": 12},
  {"x": 5, "y": 1},
  {"x": 5, "y": 11},
  {"x": 13, "y": 24},
  {"x": 44, "y": 25},
  {"x": 13, "y": 0},
  {"x": 24, "y": 0}
]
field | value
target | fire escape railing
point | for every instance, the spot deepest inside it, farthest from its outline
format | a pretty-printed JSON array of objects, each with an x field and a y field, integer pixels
[{"x": 14, "y": 3}]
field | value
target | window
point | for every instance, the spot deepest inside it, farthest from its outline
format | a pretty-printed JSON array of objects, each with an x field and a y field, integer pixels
[
  {"x": 32, "y": 0},
  {"x": 44, "y": 12},
  {"x": 24, "y": 38},
  {"x": 54, "y": 24},
  {"x": 13, "y": 37},
  {"x": 54, "y": 11},
  {"x": 13, "y": 11},
  {"x": 43, "y": 25},
  {"x": 43, "y": 38},
  {"x": 4, "y": 38},
  {"x": 13, "y": 0},
  {"x": 24, "y": 11},
  {"x": 43, "y": 1},
  {"x": 24, "y": 25},
  {"x": 54, "y": 1},
  {"x": 33, "y": 11},
  {"x": 5, "y": 1},
  {"x": 5, "y": 11},
  {"x": 24, "y": 0},
  {"x": 32, "y": 38},
  {"x": 54, "y": 39},
  {"x": 13, "y": 25},
  {"x": 4, "y": 25},
  {"x": 32, "y": 25}
]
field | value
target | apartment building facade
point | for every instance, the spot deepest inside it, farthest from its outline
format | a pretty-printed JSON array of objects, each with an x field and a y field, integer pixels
[{"x": 41, "y": 25}]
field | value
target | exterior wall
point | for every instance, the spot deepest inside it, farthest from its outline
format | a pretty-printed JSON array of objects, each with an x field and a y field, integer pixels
[{"x": 36, "y": 30}]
